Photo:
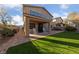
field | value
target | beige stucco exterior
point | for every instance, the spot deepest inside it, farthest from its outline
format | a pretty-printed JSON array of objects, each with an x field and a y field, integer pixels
[{"x": 39, "y": 23}]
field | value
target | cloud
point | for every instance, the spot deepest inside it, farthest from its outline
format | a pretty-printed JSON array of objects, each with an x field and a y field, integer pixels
[
  {"x": 15, "y": 11},
  {"x": 10, "y": 5},
  {"x": 64, "y": 6},
  {"x": 63, "y": 14},
  {"x": 64, "y": 17},
  {"x": 17, "y": 7},
  {"x": 18, "y": 20},
  {"x": 56, "y": 14}
]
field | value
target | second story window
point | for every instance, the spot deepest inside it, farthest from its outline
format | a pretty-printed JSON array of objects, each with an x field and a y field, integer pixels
[{"x": 34, "y": 13}]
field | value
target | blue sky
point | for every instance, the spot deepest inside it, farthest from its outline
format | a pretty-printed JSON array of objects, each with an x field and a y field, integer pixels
[
  {"x": 14, "y": 10},
  {"x": 57, "y": 10},
  {"x": 60, "y": 10}
]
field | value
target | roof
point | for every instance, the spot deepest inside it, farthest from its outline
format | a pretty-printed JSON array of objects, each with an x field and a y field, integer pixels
[
  {"x": 24, "y": 5},
  {"x": 58, "y": 18}
]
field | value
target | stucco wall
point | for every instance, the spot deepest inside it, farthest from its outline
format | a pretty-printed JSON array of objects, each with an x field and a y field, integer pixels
[{"x": 45, "y": 27}]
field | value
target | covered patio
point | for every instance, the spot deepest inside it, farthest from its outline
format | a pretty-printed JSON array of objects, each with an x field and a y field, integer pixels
[{"x": 36, "y": 20}]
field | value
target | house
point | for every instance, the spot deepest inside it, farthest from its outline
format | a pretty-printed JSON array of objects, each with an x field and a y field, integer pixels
[
  {"x": 57, "y": 23},
  {"x": 36, "y": 19}
]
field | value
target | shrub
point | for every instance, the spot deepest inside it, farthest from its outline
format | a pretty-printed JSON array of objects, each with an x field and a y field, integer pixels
[
  {"x": 7, "y": 32},
  {"x": 15, "y": 30},
  {"x": 70, "y": 28}
]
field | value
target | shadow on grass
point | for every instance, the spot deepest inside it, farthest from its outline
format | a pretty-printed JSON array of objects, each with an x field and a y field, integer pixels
[
  {"x": 44, "y": 49},
  {"x": 29, "y": 48},
  {"x": 61, "y": 42},
  {"x": 55, "y": 46},
  {"x": 69, "y": 35},
  {"x": 35, "y": 47},
  {"x": 26, "y": 48}
]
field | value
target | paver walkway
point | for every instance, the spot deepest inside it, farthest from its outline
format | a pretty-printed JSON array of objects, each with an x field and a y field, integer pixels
[
  {"x": 3, "y": 40},
  {"x": 17, "y": 39}
]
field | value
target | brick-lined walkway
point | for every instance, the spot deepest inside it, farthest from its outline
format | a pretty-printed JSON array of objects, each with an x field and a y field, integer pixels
[{"x": 17, "y": 39}]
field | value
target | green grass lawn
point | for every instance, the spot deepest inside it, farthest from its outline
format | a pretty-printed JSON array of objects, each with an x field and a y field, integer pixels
[{"x": 61, "y": 43}]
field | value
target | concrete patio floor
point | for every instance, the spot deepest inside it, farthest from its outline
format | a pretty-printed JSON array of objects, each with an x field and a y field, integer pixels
[{"x": 40, "y": 35}]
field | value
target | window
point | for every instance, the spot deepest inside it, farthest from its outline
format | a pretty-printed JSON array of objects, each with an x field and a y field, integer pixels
[
  {"x": 32, "y": 25},
  {"x": 34, "y": 13}
]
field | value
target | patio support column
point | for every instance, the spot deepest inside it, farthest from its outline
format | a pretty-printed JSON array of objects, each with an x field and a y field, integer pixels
[
  {"x": 36, "y": 26},
  {"x": 49, "y": 28},
  {"x": 26, "y": 26}
]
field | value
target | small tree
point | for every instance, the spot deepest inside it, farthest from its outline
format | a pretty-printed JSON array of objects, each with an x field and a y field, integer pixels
[
  {"x": 74, "y": 17},
  {"x": 5, "y": 18}
]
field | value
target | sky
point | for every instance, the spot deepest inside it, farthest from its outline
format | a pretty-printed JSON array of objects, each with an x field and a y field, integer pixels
[
  {"x": 15, "y": 11},
  {"x": 57, "y": 10},
  {"x": 60, "y": 10}
]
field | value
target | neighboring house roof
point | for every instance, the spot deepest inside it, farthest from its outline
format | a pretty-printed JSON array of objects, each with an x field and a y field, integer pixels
[
  {"x": 38, "y": 7},
  {"x": 57, "y": 19}
]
